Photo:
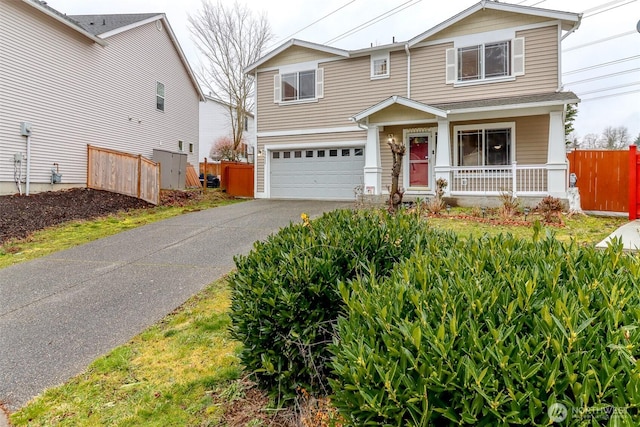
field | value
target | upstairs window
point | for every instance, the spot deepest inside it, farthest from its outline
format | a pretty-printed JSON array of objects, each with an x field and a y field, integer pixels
[
  {"x": 160, "y": 96},
  {"x": 379, "y": 66},
  {"x": 485, "y": 62},
  {"x": 299, "y": 86}
]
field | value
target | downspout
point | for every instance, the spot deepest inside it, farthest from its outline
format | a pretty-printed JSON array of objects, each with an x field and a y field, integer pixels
[
  {"x": 406, "y": 49},
  {"x": 571, "y": 31}
]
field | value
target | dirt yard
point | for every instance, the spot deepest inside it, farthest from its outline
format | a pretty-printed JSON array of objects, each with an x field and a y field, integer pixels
[{"x": 22, "y": 215}]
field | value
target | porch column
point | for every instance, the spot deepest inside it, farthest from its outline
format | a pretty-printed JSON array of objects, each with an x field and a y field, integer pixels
[
  {"x": 556, "y": 157},
  {"x": 372, "y": 166},
  {"x": 443, "y": 155}
]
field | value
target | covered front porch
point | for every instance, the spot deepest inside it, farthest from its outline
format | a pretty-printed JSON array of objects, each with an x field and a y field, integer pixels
[{"x": 481, "y": 148}]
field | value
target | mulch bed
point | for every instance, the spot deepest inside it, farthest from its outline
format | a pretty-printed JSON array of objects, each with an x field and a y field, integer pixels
[{"x": 23, "y": 215}]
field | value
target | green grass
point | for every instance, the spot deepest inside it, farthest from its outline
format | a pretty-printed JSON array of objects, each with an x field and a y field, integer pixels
[
  {"x": 168, "y": 375},
  {"x": 74, "y": 233},
  {"x": 185, "y": 369}
]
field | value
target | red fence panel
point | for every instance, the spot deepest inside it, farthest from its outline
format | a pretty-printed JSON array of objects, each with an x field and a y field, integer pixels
[{"x": 634, "y": 188}]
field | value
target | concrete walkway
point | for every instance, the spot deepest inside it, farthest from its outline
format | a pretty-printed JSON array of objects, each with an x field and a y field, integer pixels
[
  {"x": 60, "y": 312},
  {"x": 630, "y": 235}
]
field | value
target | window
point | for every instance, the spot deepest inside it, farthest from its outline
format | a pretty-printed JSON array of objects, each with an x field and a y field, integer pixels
[
  {"x": 485, "y": 62},
  {"x": 246, "y": 123},
  {"x": 159, "y": 96},
  {"x": 191, "y": 147},
  {"x": 180, "y": 146},
  {"x": 320, "y": 153},
  {"x": 309, "y": 153},
  {"x": 287, "y": 154},
  {"x": 299, "y": 86},
  {"x": 380, "y": 66},
  {"x": 489, "y": 145},
  {"x": 276, "y": 154},
  {"x": 333, "y": 153},
  {"x": 357, "y": 152},
  {"x": 346, "y": 152},
  {"x": 297, "y": 154}
]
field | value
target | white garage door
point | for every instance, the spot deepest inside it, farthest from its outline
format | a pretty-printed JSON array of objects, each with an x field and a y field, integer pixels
[{"x": 326, "y": 173}]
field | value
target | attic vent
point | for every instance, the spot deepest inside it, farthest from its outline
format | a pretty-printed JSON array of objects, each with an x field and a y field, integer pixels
[
  {"x": 90, "y": 23},
  {"x": 104, "y": 22},
  {"x": 159, "y": 25}
]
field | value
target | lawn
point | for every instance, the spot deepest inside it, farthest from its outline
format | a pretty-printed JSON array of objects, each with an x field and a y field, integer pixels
[{"x": 185, "y": 369}]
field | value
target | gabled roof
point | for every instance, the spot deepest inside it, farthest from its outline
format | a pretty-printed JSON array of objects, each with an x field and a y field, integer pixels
[
  {"x": 64, "y": 19},
  {"x": 209, "y": 98},
  {"x": 569, "y": 20},
  {"x": 101, "y": 24},
  {"x": 295, "y": 42},
  {"x": 400, "y": 100}
]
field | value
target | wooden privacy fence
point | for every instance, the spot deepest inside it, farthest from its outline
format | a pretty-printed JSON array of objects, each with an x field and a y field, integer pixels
[
  {"x": 634, "y": 183},
  {"x": 237, "y": 179},
  {"x": 210, "y": 168},
  {"x": 123, "y": 173},
  {"x": 603, "y": 179}
]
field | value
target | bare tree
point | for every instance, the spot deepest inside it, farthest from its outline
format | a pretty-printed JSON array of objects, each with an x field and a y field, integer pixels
[
  {"x": 590, "y": 140},
  {"x": 615, "y": 138},
  {"x": 230, "y": 38}
]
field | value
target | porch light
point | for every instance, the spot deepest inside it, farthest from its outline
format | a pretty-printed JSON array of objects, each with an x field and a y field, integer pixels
[{"x": 390, "y": 138}]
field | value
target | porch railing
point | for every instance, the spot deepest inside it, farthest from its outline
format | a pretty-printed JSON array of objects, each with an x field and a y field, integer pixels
[{"x": 493, "y": 180}]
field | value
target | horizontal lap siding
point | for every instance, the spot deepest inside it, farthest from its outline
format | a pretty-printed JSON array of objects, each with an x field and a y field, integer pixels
[
  {"x": 348, "y": 89},
  {"x": 76, "y": 92},
  {"x": 541, "y": 71},
  {"x": 487, "y": 20}
]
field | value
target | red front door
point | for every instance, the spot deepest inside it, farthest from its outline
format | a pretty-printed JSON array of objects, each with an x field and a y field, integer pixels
[{"x": 419, "y": 161}]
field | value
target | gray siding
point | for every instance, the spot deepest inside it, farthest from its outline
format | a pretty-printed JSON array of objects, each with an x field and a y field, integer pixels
[{"x": 75, "y": 93}]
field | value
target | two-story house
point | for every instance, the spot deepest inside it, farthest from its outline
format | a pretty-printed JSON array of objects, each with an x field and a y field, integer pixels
[
  {"x": 477, "y": 100},
  {"x": 120, "y": 82},
  {"x": 215, "y": 123}
]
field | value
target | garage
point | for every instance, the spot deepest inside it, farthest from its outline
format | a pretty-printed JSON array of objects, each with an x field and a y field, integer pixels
[{"x": 321, "y": 173}]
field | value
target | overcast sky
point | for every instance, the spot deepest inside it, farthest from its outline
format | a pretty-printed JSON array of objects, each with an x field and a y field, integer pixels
[{"x": 582, "y": 49}]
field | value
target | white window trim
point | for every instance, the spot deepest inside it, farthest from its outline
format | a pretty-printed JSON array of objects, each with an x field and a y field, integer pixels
[
  {"x": 483, "y": 127},
  {"x": 482, "y": 40},
  {"x": 375, "y": 58},
  {"x": 319, "y": 85},
  {"x": 164, "y": 97}
]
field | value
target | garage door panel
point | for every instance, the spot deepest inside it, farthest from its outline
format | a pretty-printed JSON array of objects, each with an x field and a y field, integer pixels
[{"x": 316, "y": 176}]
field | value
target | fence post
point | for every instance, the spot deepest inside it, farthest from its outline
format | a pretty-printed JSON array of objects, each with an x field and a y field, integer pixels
[
  {"x": 139, "y": 174},
  {"x": 204, "y": 174},
  {"x": 514, "y": 179},
  {"x": 633, "y": 182}
]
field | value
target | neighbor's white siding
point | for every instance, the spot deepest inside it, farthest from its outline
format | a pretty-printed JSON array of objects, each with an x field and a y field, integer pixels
[
  {"x": 215, "y": 123},
  {"x": 75, "y": 92}
]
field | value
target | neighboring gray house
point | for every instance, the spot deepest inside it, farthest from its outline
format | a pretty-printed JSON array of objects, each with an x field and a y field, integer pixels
[
  {"x": 215, "y": 123},
  {"x": 114, "y": 81}
]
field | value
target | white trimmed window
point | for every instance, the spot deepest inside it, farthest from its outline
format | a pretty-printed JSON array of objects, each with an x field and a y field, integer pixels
[
  {"x": 485, "y": 62},
  {"x": 159, "y": 96},
  {"x": 379, "y": 66},
  {"x": 484, "y": 145},
  {"x": 306, "y": 85}
]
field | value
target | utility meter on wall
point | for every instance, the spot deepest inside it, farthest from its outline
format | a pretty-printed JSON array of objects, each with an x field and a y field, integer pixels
[{"x": 25, "y": 128}]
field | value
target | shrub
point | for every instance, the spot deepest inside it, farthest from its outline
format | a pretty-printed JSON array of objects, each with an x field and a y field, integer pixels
[
  {"x": 489, "y": 332},
  {"x": 550, "y": 207},
  {"x": 284, "y": 292},
  {"x": 509, "y": 204}
]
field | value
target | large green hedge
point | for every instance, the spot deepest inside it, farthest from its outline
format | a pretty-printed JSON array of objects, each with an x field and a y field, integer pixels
[
  {"x": 492, "y": 331},
  {"x": 285, "y": 299}
]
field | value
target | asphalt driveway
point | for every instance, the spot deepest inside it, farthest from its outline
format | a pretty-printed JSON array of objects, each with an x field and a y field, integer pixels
[{"x": 59, "y": 313}]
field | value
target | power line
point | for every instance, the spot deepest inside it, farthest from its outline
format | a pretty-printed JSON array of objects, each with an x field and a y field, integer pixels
[
  {"x": 606, "y": 76},
  {"x": 610, "y": 95},
  {"x": 593, "y": 9},
  {"x": 580, "y": 46},
  {"x": 315, "y": 22},
  {"x": 610, "y": 88},
  {"x": 372, "y": 21},
  {"x": 602, "y": 11},
  {"x": 604, "y": 64}
]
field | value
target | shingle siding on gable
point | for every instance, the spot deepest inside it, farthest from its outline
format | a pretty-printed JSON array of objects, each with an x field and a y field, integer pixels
[{"x": 75, "y": 92}]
